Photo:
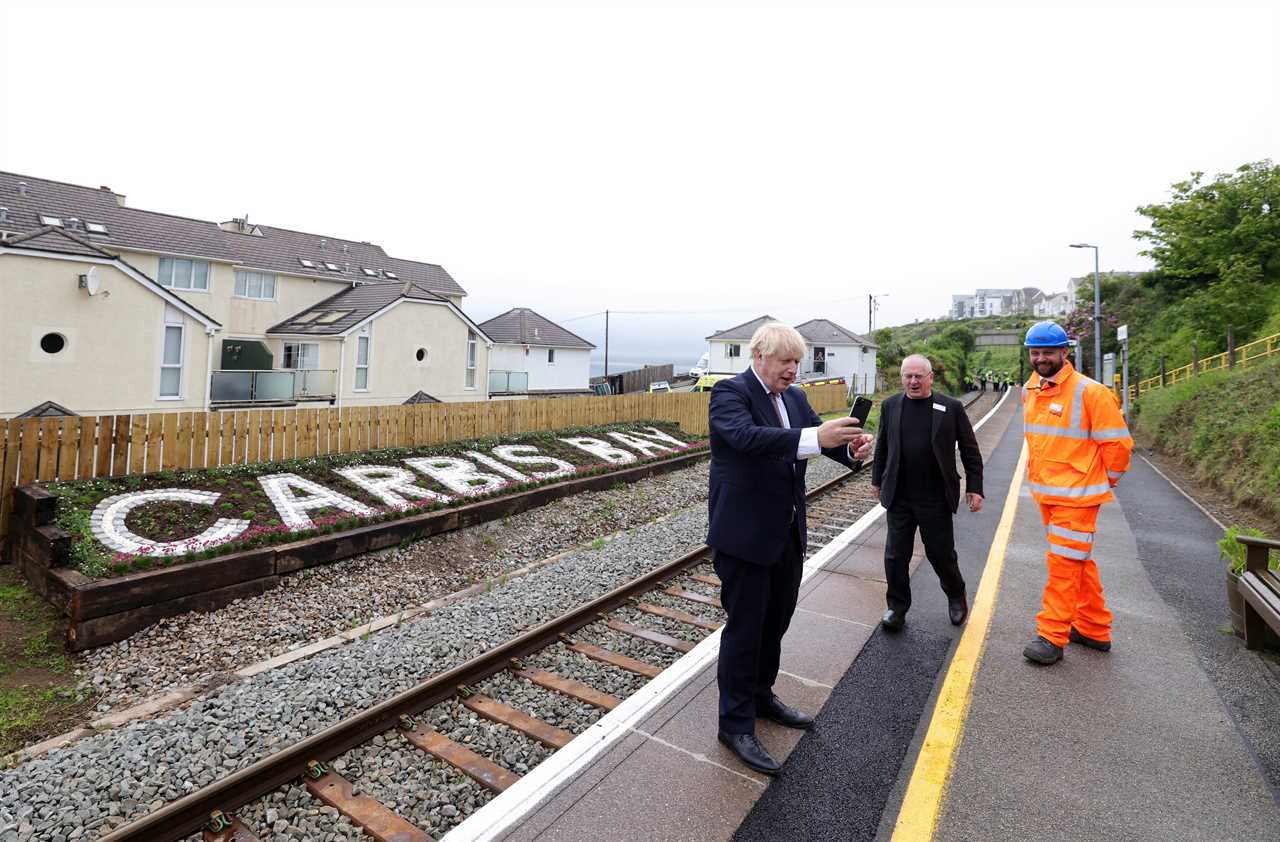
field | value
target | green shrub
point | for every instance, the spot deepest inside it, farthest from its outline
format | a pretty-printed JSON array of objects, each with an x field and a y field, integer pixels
[{"x": 1234, "y": 552}]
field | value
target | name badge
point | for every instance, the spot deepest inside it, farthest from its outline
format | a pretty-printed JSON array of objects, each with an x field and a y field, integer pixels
[
  {"x": 939, "y": 407},
  {"x": 1055, "y": 408}
]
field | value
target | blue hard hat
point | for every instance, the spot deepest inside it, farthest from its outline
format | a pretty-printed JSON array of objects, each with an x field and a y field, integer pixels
[{"x": 1046, "y": 335}]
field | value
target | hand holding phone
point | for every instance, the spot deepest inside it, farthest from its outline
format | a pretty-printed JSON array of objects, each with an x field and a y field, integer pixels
[{"x": 860, "y": 410}]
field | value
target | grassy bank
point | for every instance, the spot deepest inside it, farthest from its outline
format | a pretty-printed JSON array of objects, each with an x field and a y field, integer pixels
[
  {"x": 37, "y": 681},
  {"x": 1226, "y": 426}
]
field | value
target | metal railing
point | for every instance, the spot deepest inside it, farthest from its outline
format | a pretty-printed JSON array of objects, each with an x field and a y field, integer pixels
[
  {"x": 1244, "y": 355},
  {"x": 508, "y": 381},
  {"x": 274, "y": 386}
]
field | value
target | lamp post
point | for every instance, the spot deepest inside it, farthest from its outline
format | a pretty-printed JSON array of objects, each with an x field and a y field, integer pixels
[{"x": 1097, "y": 310}]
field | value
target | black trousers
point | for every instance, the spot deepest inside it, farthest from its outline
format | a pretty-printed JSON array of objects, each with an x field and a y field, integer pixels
[
  {"x": 759, "y": 600},
  {"x": 933, "y": 517}
]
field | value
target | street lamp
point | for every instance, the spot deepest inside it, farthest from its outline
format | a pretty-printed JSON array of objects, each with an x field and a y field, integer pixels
[{"x": 1097, "y": 310}]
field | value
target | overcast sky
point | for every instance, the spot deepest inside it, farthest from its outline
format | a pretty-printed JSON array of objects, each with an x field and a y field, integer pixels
[{"x": 716, "y": 160}]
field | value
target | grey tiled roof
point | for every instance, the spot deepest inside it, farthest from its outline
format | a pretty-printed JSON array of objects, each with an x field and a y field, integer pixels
[
  {"x": 818, "y": 331},
  {"x": 743, "y": 331},
  {"x": 522, "y": 326},
  {"x": 277, "y": 249},
  {"x": 352, "y": 306},
  {"x": 57, "y": 240},
  {"x": 126, "y": 227}
]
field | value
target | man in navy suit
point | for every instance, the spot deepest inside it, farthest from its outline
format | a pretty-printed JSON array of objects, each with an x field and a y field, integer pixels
[{"x": 762, "y": 431}]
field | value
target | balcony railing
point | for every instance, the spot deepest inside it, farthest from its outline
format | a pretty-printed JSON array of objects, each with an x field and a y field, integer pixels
[
  {"x": 508, "y": 381},
  {"x": 278, "y": 386}
]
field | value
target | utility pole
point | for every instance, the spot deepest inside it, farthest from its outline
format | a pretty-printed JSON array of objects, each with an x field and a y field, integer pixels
[
  {"x": 606, "y": 347},
  {"x": 873, "y": 302}
]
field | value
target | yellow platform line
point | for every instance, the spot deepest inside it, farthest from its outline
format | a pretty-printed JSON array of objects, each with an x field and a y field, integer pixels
[{"x": 922, "y": 804}]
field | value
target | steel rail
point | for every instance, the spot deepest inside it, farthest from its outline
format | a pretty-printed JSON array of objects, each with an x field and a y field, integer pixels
[{"x": 190, "y": 813}]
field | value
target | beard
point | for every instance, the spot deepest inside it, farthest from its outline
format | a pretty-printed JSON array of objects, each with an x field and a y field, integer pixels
[{"x": 1048, "y": 368}]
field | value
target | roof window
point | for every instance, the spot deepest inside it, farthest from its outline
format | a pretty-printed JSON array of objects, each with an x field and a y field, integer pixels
[
  {"x": 305, "y": 318},
  {"x": 330, "y": 318},
  {"x": 372, "y": 273},
  {"x": 332, "y": 267},
  {"x": 392, "y": 275},
  {"x": 50, "y": 220},
  {"x": 95, "y": 228},
  {"x": 307, "y": 263}
]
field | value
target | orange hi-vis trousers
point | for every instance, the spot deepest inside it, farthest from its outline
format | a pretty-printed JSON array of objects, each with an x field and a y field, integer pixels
[{"x": 1073, "y": 594}]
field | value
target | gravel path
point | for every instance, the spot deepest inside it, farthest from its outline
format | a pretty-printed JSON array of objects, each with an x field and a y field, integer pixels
[{"x": 100, "y": 782}]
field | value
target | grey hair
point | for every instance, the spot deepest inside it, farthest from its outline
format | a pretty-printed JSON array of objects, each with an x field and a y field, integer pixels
[
  {"x": 774, "y": 339},
  {"x": 928, "y": 366}
]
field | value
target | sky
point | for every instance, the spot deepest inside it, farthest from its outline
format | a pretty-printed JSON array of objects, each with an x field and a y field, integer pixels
[{"x": 687, "y": 165}]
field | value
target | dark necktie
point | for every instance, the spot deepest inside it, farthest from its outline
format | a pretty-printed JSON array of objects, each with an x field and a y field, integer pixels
[{"x": 777, "y": 407}]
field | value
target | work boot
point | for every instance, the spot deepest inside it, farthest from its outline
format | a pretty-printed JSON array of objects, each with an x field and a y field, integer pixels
[
  {"x": 1100, "y": 645},
  {"x": 1041, "y": 651}
]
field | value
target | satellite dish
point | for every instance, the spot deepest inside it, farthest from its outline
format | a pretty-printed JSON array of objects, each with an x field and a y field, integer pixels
[{"x": 90, "y": 282}]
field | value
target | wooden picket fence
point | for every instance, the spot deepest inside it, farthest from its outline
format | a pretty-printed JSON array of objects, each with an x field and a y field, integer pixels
[{"x": 85, "y": 447}]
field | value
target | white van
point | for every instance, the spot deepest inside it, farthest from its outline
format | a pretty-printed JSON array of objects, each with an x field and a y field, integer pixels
[{"x": 700, "y": 367}]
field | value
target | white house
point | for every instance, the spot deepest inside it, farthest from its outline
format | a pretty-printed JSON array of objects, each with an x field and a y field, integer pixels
[
  {"x": 830, "y": 351},
  {"x": 106, "y": 308},
  {"x": 833, "y": 351},
  {"x": 533, "y": 356}
]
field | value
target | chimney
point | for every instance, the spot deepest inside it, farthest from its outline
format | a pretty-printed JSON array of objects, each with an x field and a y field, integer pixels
[
  {"x": 322, "y": 244},
  {"x": 72, "y": 223},
  {"x": 344, "y": 248},
  {"x": 408, "y": 285},
  {"x": 23, "y": 190},
  {"x": 119, "y": 200}
]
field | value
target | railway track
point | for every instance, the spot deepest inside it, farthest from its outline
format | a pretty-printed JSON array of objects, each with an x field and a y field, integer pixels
[{"x": 471, "y": 731}]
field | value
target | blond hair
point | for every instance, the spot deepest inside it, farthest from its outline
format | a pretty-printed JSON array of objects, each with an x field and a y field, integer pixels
[{"x": 774, "y": 339}]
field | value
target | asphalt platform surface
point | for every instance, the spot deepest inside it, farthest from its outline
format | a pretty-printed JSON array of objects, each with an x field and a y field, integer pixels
[
  {"x": 1136, "y": 744},
  {"x": 844, "y": 774}
]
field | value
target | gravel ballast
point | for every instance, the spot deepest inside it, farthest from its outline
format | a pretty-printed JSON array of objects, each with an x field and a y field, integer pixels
[{"x": 96, "y": 784}]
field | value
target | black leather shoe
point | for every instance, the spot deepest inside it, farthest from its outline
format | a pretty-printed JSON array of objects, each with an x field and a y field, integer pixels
[
  {"x": 958, "y": 610},
  {"x": 1041, "y": 651},
  {"x": 893, "y": 620},
  {"x": 1100, "y": 645},
  {"x": 784, "y": 714},
  {"x": 750, "y": 752}
]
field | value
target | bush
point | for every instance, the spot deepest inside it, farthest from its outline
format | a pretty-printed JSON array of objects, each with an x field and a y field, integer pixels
[{"x": 1234, "y": 552}]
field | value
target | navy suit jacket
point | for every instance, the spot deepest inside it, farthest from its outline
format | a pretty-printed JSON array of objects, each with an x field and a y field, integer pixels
[{"x": 756, "y": 480}]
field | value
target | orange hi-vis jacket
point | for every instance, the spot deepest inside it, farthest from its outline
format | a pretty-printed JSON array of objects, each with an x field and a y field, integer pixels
[{"x": 1079, "y": 443}]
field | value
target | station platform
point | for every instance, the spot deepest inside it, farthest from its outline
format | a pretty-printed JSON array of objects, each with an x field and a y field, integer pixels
[{"x": 944, "y": 732}]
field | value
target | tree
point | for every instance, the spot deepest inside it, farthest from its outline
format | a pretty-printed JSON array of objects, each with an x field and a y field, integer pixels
[{"x": 1216, "y": 246}]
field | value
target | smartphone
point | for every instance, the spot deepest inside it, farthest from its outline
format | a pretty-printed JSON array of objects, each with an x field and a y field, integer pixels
[{"x": 860, "y": 410}]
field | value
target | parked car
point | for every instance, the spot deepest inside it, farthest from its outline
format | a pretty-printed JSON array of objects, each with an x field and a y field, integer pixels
[
  {"x": 659, "y": 386},
  {"x": 700, "y": 367},
  {"x": 706, "y": 381}
]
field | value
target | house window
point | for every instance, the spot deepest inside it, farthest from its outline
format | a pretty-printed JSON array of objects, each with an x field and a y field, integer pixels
[
  {"x": 471, "y": 360},
  {"x": 551, "y": 356},
  {"x": 260, "y": 285},
  {"x": 180, "y": 273},
  {"x": 301, "y": 355},
  {"x": 734, "y": 350},
  {"x": 362, "y": 363},
  {"x": 171, "y": 355}
]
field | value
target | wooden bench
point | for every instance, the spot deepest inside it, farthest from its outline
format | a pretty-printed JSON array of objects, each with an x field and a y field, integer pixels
[{"x": 1260, "y": 587}]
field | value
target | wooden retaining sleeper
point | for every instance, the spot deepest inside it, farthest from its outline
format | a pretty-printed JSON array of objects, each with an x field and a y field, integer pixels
[{"x": 102, "y": 611}]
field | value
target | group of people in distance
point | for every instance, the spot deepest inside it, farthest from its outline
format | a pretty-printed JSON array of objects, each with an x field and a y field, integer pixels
[{"x": 762, "y": 434}]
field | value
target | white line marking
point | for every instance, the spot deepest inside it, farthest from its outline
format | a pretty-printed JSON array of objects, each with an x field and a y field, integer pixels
[
  {"x": 511, "y": 807},
  {"x": 807, "y": 682},
  {"x": 837, "y": 619},
  {"x": 1193, "y": 500}
]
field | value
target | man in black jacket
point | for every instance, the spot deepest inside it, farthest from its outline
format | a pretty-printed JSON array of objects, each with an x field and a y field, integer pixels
[
  {"x": 762, "y": 431},
  {"x": 915, "y": 478}
]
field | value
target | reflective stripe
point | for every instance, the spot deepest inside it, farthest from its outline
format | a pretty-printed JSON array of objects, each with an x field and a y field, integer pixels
[
  {"x": 1069, "y": 552},
  {"x": 1058, "y": 491},
  {"x": 1050, "y": 430},
  {"x": 1115, "y": 474},
  {"x": 1117, "y": 433},
  {"x": 1083, "y": 537},
  {"x": 1077, "y": 403}
]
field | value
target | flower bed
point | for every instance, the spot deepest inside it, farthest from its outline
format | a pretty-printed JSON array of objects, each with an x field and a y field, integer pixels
[{"x": 125, "y": 524}]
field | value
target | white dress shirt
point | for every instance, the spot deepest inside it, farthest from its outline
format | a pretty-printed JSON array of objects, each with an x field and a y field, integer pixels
[{"x": 808, "y": 436}]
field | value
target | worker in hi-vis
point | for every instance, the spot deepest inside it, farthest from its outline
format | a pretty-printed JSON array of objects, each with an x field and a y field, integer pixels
[{"x": 1079, "y": 448}]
